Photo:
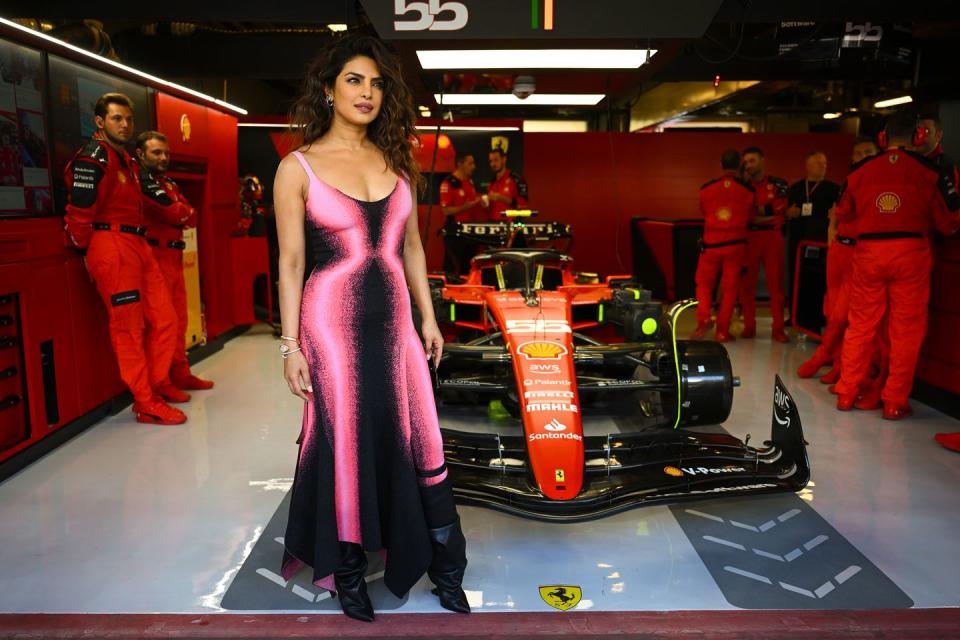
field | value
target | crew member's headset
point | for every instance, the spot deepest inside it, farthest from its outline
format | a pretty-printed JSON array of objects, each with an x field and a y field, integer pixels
[{"x": 920, "y": 134}]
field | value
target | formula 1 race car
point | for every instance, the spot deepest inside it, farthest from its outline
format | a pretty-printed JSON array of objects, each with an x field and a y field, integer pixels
[{"x": 552, "y": 344}]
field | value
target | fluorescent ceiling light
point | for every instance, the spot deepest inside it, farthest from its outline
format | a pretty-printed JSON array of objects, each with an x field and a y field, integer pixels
[
  {"x": 892, "y": 102},
  {"x": 429, "y": 129},
  {"x": 832, "y": 116},
  {"x": 123, "y": 67},
  {"x": 425, "y": 129},
  {"x": 337, "y": 27},
  {"x": 504, "y": 99},
  {"x": 535, "y": 58},
  {"x": 555, "y": 126}
]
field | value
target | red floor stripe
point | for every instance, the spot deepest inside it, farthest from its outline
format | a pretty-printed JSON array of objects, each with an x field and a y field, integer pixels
[{"x": 941, "y": 624}]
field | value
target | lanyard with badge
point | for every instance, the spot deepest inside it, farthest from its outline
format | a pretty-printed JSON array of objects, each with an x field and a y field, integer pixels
[{"x": 806, "y": 209}]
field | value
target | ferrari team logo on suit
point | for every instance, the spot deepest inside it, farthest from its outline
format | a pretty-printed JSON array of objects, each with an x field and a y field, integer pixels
[
  {"x": 888, "y": 202},
  {"x": 561, "y": 596}
]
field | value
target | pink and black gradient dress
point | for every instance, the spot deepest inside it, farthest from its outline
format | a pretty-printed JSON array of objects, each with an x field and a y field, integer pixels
[{"x": 371, "y": 441}]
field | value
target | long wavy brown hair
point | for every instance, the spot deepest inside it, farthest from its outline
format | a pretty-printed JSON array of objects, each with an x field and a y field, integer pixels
[{"x": 393, "y": 131}]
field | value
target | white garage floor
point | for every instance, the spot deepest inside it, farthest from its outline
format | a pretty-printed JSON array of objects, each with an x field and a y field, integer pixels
[{"x": 130, "y": 518}]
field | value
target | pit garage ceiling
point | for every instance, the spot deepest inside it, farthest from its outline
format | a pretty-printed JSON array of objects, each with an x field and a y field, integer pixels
[{"x": 257, "y": 48}]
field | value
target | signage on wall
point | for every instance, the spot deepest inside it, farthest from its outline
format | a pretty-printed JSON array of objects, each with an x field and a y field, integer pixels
[
  {"x": 185, "y": 128},
  {"x": 540, "y": 19}
]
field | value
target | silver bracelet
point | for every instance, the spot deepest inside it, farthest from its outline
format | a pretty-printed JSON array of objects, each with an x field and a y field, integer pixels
[{"x": 286, "y": 354}]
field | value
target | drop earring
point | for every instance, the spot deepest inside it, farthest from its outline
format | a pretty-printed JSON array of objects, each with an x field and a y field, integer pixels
[{"x": 329, "y": 101}]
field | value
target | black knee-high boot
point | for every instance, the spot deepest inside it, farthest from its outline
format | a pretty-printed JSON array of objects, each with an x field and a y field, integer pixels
[
  {"x": 449, "y": 546},
  {"x": 351, "y": 587}
]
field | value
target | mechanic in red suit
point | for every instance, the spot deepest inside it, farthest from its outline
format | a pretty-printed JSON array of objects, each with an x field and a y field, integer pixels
[
  {"x": 765, "y": 245},
  {"x": 168, "y": 213},
  {"x": 105, "y": 217},
  {"x": 726, "y": 204},
  {"x": 932, "y": 146},
  {"x": 841, "y": 239},
  {"x": 897, "y": 198},
  {"x": 460, "y": 203},
  {"x": 508, "y": 190},
  {"x": 933, "y": 149}
]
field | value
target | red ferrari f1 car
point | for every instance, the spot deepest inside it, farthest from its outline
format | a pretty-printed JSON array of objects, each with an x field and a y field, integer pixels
[{"x": 552, "y": 345}]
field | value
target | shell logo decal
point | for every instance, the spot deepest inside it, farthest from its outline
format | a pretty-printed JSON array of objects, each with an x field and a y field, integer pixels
[
  {"x": 542, "y": 350},
  {"x": 673, "y": 471},
  {"x": 724, "y": 214},
  {"x": 888, "y": 202}
]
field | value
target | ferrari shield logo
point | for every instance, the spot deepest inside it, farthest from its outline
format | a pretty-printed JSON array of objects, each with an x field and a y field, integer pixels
[
  {"x": 894, "y": 157},
  {"x": 561, "y": 596}
]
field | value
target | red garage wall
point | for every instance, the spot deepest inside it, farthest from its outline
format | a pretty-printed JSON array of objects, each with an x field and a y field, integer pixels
[
  {"x": 211, "y": 149},
  {"x": 598, "y": 181},
  {"x": 940, "y": 358}
]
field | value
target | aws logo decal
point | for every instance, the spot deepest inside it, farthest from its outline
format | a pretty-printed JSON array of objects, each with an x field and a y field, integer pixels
[{"x": 545, "y": 369}]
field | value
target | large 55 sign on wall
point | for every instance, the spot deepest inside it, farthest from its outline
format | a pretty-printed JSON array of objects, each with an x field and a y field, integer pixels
[
  {"x": 430, "y": 16},
  {"x": 542, "y": 19}
]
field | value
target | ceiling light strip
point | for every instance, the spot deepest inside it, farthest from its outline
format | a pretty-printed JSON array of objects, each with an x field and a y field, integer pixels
[
  {"x": 507, "y": 99},
  {"x": 123, "y": 67},
  {"x": 892, "y": 102},
  {"x": 427, "y": 128},
  {"x": 534, "y": 58}
]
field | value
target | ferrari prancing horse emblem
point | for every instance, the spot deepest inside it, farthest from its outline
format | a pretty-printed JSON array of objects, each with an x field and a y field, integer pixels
[{"x": 561, "y": 596}]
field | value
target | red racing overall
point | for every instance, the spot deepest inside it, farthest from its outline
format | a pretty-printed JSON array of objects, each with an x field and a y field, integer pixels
[
  {"x": 726, "y": 204},
  {"x": 457, "y": 252},
  {"x": 509, "y": 185},
  {"x": 167, "y": 213},
  {"x": 897, "y": 199},
  {"x": 105, "y": 217},
  {"x": 765, "y": 246}
]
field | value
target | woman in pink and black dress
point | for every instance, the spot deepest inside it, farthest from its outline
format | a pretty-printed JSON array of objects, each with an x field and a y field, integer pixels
[{"x": 370, "y": 471}]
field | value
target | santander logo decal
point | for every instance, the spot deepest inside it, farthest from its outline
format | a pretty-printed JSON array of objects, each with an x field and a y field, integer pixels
[{"x": 554, "y": 425}]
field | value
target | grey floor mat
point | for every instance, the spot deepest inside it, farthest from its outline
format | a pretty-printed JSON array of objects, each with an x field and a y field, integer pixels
[
  {"x": 258, "y": 585},
  {"x": 776, "y": 552}
]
